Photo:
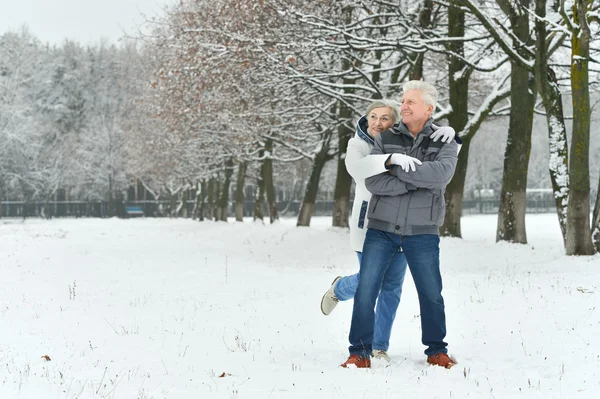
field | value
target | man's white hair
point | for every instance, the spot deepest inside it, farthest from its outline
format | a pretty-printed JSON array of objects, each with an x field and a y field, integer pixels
[{"x": 429, "y": 92}]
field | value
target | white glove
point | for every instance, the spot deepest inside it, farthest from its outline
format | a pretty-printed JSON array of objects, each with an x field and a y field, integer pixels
[
  {"x": 405, "y": 162},
  {"x": 446, "y": 133}
]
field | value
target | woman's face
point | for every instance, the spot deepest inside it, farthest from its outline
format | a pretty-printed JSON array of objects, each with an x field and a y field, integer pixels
[{"x": 379, "y": 119}]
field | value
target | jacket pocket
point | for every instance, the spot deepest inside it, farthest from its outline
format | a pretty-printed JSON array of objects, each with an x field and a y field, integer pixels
[
  {"x": 421, "y": 211},
  {"x": 438, "y": 209},
  {"x": 375, "y": 204},
  {"x": 363, "y": 213}
]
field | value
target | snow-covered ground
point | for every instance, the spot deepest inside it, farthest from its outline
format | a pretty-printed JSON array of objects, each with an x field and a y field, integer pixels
[{"x": 167, "y": 308}]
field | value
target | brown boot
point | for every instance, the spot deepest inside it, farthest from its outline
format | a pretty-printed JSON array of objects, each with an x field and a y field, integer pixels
[
  {"x": 441, "y": 359},
  {"x": 358, "y": 362}
]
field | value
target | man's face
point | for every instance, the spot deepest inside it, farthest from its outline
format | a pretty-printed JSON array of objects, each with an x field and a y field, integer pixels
[{"x": 414, "y": 111}]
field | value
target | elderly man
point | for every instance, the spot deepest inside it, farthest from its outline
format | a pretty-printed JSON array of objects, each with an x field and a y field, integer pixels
[{"x": 406, "y": 225}]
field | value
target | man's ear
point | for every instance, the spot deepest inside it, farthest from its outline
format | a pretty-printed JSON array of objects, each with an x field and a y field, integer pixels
[{"x": 429, "y": 109}]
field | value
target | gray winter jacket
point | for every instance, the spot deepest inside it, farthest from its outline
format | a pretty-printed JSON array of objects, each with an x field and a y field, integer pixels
[{"x": 421, "y": 210}]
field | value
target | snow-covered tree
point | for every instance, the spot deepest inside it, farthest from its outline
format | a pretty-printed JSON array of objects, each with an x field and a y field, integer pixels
[
  {"x": 21, "y": 59},
  {"x": 579, "y": 237}
]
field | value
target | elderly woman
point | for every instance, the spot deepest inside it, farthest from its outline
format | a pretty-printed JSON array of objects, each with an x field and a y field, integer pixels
[{"x": 381, "y": 115}]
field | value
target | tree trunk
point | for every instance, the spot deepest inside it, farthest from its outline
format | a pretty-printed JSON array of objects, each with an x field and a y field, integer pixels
[
  {"x": 184, "y": 201},
  {"x": 376, "y": 75},
  {"x": 210, "y": 190},
  {"x": 454, "y": 194},
  {"x": 202, "y": 195},
  {"x": 239, "y": 191},
  {"x": 173, "y": 204},
  {"x": 343, "y": 180},
  {"x": 416, "y": 71},
  {"x": 552, "y": 99},
  {"x": 224, "y": 197},
  {"x": 197, "y": 201},
  {"x": 215, "y": 199},
  {"x": 1, "y": 209},
  {"x": 312, "y": 188},
  {"x": 269, "y": 181},
  {"x": 595, "y": 221},
  {"x": 111, "y": 200},
  {"x": 458, "y": 118},
  {"x": 579, "y": 237},
  {"x": 513, "y": 198},
  {"x": 46, "y": 212},
  {"x": 259, "y": 201}
]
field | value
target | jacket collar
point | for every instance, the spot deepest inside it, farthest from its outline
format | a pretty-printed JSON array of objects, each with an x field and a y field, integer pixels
[
  {"x": 400, "y": 127},
  {"x": 361, "y": 131}
]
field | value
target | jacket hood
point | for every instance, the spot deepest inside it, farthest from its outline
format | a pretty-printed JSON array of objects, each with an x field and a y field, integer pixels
[{"x": 361, "y": 131}]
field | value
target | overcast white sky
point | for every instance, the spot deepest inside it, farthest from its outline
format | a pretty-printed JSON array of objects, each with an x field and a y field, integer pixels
[{"x": 83, "y": 20}]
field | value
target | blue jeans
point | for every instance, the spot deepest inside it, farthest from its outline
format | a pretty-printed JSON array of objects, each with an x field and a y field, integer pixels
[
  {"x": 380, "y": 253},
  {"x": 387, "y": 302}
]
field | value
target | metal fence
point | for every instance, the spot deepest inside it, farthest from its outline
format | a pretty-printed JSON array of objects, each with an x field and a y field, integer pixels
[
  {"x": 491, "y": 206},
  {"x": 100, "y": 209},
  {"x": 54, "y": 208}
]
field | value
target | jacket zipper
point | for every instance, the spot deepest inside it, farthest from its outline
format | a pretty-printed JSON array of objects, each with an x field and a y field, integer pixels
[{"x": 431, "y": 210}]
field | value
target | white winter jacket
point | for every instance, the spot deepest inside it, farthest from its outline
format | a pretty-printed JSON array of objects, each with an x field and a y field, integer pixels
[{"x": 360, "y": 166}]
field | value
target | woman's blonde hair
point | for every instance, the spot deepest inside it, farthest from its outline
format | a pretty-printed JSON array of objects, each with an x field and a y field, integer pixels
[{"x": 385, "y": 103}]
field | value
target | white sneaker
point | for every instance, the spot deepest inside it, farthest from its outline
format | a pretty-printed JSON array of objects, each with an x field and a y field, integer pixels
[
  {"x": 329, "y": 300},
  {"x": 381, "y": 355}
]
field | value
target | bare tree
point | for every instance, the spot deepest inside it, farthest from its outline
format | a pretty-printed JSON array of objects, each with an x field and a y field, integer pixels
[
  {"x": 552, "y": 99},
  {"x": 579, "y": 238}
]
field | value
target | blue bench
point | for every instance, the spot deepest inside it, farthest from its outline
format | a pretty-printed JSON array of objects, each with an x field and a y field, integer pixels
[{"x": 134, "y": 211}]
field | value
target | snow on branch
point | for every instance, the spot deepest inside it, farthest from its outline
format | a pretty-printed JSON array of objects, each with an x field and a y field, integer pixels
[{"x": 495, "y": 30}]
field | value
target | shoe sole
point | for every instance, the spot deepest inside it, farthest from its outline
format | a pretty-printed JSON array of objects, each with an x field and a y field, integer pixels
[
  {"x": 354, "y": 366},
  {"x": 448, "y": 366},
  {"x": 323, "y": 297}
]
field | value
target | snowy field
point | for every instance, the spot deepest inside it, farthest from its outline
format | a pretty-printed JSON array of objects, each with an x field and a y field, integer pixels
[{"x": 160, "y": 308}]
